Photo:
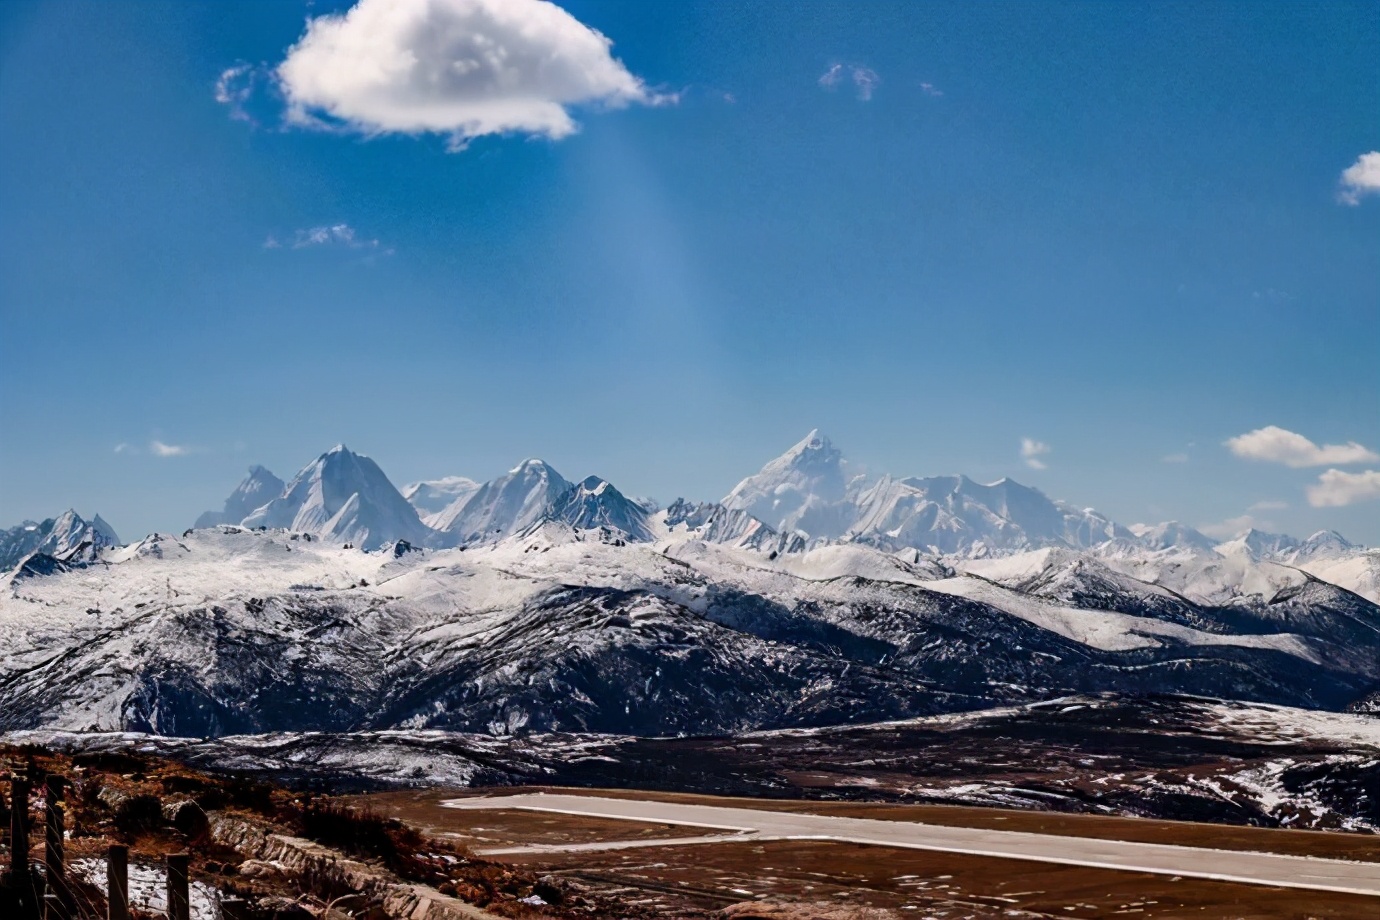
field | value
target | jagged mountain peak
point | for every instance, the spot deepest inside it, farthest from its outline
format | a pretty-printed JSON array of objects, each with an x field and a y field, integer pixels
[
  {"x": 343, "y": 496},
  {"x": 503, "y": 506},
  {"x": 257, "y": 489},
  {"x": 57, "y": 536},
  {"x": 594, "y": 502},
  {"x": 1172, "y": 534},
  {"x": 797, "y": 490},
  {"x": 1324, "y": 542},
  {"x": 1257, "y": 544}
]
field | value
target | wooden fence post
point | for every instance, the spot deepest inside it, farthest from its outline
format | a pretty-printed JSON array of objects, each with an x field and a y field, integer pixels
[
  {"x": 58, "y": 896},
  {"x": 21, "y": 877},
  {"x": 117, "y": 882},
  {"x": 179, "y": 904}
]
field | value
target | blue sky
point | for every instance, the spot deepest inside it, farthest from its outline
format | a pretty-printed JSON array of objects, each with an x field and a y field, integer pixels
[{"x": 931, "y": 230}]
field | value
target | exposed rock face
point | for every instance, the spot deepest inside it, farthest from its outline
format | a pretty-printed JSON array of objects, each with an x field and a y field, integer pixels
[{"x": 328, "y": 869}]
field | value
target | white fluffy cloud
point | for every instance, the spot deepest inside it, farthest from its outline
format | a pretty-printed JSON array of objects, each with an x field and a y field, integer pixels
[
  {"x": 1336, "y": 488},
  {"x": 1031, "y": 452},
  {"x": 1361, "y": 178},
  {"x": 1278, "y": 445},
  {"x": 864, "y": 79},
  {"x": 462, "y": 68}
]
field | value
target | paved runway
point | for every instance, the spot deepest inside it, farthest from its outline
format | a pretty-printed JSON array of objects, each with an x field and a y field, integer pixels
[{"x": 749, "y": 824}]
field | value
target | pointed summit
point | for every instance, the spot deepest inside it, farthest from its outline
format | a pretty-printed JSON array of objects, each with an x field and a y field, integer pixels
[
  {"x": 1324, "y": 543},
  {"x": 595, "y": 503},
  {"x": 503, "y": 506},
  {"x": 58, "y": 536},
  {"x": 345, "y": 497},
  {"x": 1173, "y": 534},
  {"x": 797, "y": 490},
  {"x": 256, "y": 490},
  {"x": 1257, "y": 544}
]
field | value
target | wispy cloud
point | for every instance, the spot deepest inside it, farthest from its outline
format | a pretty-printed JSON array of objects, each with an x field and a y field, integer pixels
[
  {"x": 125, "y": 447},
  {"x": 1360, "y": 179},
  {"x": 864, "y": 79},
  {"x": 929, "y": 89},
  {"x": 1273, "y": 444},
  {"x": 337, "y": 234},
  {"x": 341, "y": 235},
  {"x": 1336, "y": 488},
  {"x": 1269, "y": 505},
  {"x": 1031, "y": 452},
  {"x": 160, "y": 449},
  {"x": 234, "y": 87},
  {"x": 1174, "y": 458}
]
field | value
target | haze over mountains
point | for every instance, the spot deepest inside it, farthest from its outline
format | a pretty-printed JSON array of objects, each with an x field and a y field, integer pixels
[{"x": 532, "y": 603}]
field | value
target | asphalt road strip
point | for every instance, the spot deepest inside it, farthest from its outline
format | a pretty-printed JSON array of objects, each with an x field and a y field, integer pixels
[{"x": 1251, "y": 868}]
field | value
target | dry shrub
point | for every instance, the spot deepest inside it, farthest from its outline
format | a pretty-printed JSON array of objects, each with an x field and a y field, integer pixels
[{"x": 367, "y": 834}]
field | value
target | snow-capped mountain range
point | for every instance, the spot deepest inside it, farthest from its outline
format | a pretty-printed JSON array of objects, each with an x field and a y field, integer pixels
[
  {"x": 808, "y": 493},
  {"x": 530, "y": 603},
  {"x": 62, "y": 537}
]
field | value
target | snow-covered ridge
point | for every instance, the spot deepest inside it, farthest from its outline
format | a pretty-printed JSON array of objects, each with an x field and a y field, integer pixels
[
  {"x": 549, "y": 605},
  {"x": 567, "y": 627},
  {"x": 61, "y": 537},
  {"x": 807, "y": 497}
]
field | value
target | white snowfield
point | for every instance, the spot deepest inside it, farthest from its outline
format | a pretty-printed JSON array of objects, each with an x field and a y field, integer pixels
[
  {"x": 335, "y": 600},
  {"x": 1105, "y": 629},
  {"x": 428, "y": 604},
  {"x": 1252, "y": 868}
]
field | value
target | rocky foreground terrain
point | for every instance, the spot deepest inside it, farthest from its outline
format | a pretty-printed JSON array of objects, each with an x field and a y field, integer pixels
[{"x": 1166, "y": 757}]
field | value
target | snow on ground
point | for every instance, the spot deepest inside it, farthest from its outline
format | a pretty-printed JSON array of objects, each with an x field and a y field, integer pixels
[
  {"x": 1359, "y": 573},
  {"x": 457, "y": 593},
  {"x": 1285, "y": 725},
  {"x": 148, "y": 888},
  {"x": 1105, "y": 629}
]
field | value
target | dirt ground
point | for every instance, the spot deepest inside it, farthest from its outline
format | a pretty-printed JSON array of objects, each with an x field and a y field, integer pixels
[
  {"x": 423, "y": 809},
  {"x": 913, "y": 883},
  {"x": 484, "y": 829},
  {"x": 892, "y": 882}
]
